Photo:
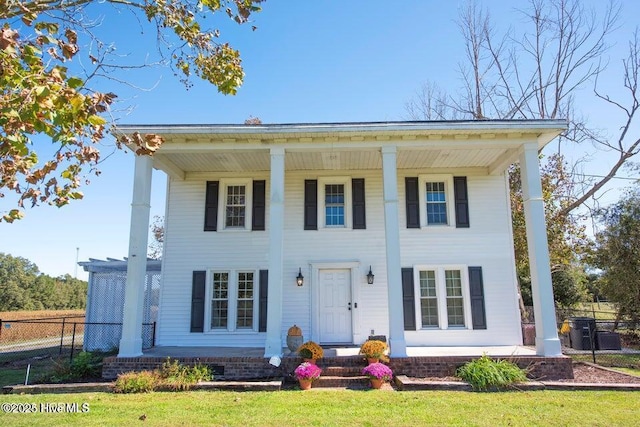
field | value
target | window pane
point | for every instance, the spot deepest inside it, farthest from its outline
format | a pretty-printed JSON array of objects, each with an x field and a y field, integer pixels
[
  {"x": 245, "y": 301},
  {"x": 429, "y": 309},
  {"x": 428, "y": 298},
  {"x": 455, "y": 306},
  {"x": 334, "y": 204},
  {"x": 436, "y": 203},
  {"x": 220, "y": 301},
  {"x": 235, "y": 206}
]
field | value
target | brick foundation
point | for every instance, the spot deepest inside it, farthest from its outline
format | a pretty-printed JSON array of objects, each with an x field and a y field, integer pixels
[{"x": 245, "y": 368}]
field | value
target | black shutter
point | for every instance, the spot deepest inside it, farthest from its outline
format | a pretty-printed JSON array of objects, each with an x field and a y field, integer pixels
[
  {"x": 259, "y": 205},
  {"x": 310, "y": 204},
  {"x": 211, "y": 206},
  {"x": 262, "y": 303},
  {"x": 461, "y": 201},
  {"x": 476, "y": 291},
  {"x": 197, "y": 300},
  {"x": 412, "y": 201},
  {"x": 408, "y": 300},
  {"x": 358, "y": 204}
]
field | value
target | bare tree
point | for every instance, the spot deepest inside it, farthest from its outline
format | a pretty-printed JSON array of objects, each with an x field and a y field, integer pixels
[{"x": 536, "y": 72}]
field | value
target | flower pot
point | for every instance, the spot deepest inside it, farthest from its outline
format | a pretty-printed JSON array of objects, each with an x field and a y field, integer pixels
[
  {"x": 294, "y": 341},
  {"x": 305, "y": 384},
  {"x": 371, "y": 360},
  {"x": 376, "y": 383},
  {"x": 312, "y": 361}
]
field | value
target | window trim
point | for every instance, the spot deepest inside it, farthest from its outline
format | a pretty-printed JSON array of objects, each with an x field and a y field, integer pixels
[
  {"x": 222, "y": 204},
  {"x": 449, "y": 199},
  {"x": 232, "y": 306},
  {"x": 322, "y": 220},
  {"x": 441, "y": 295}
]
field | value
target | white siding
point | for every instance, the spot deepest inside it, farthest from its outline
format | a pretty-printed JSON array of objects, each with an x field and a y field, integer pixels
[{"x": 487, "y": 243}]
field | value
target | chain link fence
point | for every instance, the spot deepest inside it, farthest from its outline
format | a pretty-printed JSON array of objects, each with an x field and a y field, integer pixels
[
  {"x": 593, "y": 334},
  {"x": 22, "y": 339}
]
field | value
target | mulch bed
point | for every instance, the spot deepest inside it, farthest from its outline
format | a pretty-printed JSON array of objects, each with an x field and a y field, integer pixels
[{"x": 588, "y": 373}]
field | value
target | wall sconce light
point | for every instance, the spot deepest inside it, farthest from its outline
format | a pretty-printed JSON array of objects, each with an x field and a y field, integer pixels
[
  {"x": 300, "y": 278},
  {"x": 370, "y": 276}
]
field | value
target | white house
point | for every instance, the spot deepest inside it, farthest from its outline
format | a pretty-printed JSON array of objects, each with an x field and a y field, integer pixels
[{"x": 273, "y": 225}]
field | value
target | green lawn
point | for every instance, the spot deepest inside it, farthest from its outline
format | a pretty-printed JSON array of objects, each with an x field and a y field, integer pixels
[{"x": 337, "y": 408}]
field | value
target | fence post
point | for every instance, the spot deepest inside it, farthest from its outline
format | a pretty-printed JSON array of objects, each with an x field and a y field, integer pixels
[
  {"x": 593, "y": 344},
  {"x": 153, "y": 335},
  {"x": 73, "y": 341},
  {"x": 62, "y": 334},
  {"x": 0, "y": 328}
]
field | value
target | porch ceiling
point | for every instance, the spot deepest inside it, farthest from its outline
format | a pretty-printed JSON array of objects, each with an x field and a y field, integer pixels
[
  {"x": 488, "y": 145},
  {"x": 336, "y": 159}
]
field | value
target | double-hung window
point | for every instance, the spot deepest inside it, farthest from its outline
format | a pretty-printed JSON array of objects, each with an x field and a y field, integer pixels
[
  {"x": 436, "y": 200},
  {"x": 335, "y": 193},
  {"x": 235, "y": 207},
  {"x": 233, "y": 301},
  {"x": 220, "y": 301},
  {"x": 443, "y": 300}
]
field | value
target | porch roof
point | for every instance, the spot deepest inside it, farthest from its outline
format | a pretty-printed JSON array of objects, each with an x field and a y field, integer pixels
[{"x": 487, "y": 145}]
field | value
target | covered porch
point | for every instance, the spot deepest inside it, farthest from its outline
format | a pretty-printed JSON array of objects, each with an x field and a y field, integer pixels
[{"x": 482, "y": 148}]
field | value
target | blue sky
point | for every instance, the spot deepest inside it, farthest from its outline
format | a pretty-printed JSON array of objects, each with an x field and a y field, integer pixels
[{"x": 321, "y": 61}]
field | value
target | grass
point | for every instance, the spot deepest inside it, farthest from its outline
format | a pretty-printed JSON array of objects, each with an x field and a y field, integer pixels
[
  {"x": 337, "y": 408},
  {"x": 630, "y": 371}
]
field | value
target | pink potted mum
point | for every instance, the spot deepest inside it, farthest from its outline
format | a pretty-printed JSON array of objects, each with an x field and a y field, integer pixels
[
  {"x": 306, "y": 373},
  {"x": 378, "y": 373}
]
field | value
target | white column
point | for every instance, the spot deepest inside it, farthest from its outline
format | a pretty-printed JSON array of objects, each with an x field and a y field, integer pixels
[
  {"x": 273, "y": 344},
  {"x": 131, "y": 340},
  {"x": 392, "y": 240},
  {"x": 547, "y": 342}
]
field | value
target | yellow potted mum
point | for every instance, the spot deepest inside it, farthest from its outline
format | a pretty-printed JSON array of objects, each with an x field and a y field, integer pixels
[
  {"x": 310, "y": 351},
  {"x": 374, "y": 351}
]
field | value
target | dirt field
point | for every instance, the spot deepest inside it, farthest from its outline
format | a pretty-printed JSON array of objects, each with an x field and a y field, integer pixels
[{"x": 13, "y": 330}]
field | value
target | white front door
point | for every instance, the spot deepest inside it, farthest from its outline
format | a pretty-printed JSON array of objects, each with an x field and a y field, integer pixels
[{"x": 335, "y": 306}]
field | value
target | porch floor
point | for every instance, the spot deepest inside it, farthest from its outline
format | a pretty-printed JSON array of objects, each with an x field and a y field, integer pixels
[{"x": 333, "y": 351}]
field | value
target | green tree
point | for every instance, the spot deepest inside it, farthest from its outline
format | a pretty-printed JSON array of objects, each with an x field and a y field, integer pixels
[
  {"x": 51, "y": 61},
  {"x": 618, "y": 254},
  {"x": 17, "y": 275},
  {"x": 23, "y": 287}
]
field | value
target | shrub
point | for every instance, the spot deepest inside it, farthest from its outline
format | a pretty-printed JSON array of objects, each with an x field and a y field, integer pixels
[
  {"x": 175, "y": 376},
  {"x": 86, "y": 365},
  {"x": 485, "y": 373},
  {"x": 137, "y": 382}
]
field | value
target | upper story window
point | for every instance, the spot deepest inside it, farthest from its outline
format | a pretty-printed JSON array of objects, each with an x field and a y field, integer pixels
[
  {"x": 436, "y": 200},
  {"x": 334, "y": 205},
  {"x": 436, "y": 197},
  {"x": 235, "y": 206},
  {"x": 335, "y": 194}
]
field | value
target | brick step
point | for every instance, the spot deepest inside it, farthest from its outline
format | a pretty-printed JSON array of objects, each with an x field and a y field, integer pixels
[
  {"x": 342, "y": 371},
  {"x": 338, "y": 381}
]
